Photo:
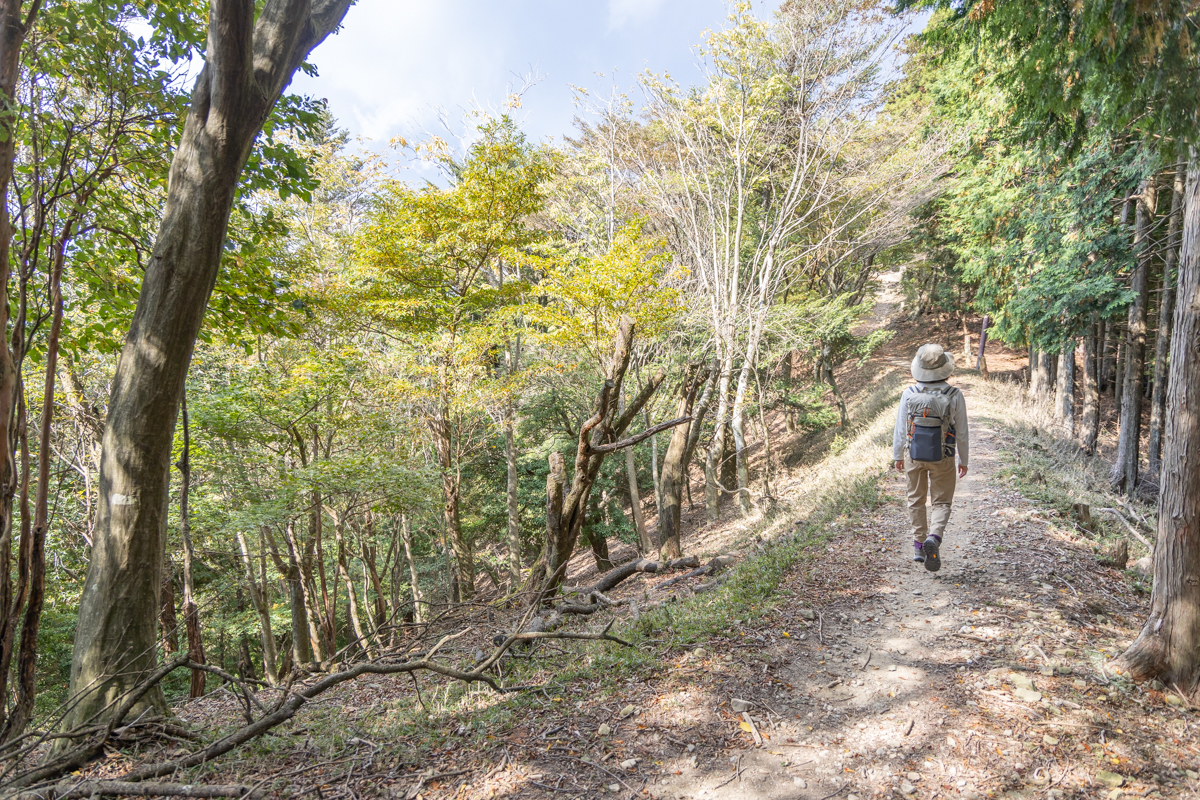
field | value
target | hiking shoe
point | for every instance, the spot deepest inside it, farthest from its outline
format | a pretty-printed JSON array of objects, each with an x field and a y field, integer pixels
[
  {"x": 933, "y": 561},
  {"x": 918, "y": 553}
]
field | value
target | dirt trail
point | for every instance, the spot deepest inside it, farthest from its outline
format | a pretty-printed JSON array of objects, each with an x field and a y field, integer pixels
[{"x": 984, "y": 678}]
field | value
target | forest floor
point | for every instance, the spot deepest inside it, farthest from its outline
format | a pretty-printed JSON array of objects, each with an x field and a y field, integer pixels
[{"x": 830, "y": 664}]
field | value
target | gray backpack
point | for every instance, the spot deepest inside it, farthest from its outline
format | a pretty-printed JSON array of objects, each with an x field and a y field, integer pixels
[{"x": 930, "y": 435}]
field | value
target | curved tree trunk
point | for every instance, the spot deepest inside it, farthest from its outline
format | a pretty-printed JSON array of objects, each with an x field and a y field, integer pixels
[
  {"x": 674, "y": 471},
  {"x": 248, "y": 63},
  {"x": 1168, "y": 646}
]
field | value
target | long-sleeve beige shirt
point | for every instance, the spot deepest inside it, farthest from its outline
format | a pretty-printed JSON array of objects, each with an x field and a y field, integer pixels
[{"x": 958, "y": 421}]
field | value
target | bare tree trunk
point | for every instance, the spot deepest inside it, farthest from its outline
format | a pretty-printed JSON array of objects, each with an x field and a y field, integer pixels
[
  {"x": 1065, "y": 391},
  {"x": 789, "y": 416},
  {"x": 1168, "y": 647},
  {"x": 1101, "y": 349},
  {"x": 1033, "y": 371},
  {"x": 1090, "y": 429},
  {"x": 191, "y": 614},
  {"x": 716, "y": 451},
  {"x": 15, "y": 21},
  {"x": 248, "y": 62},
  {"x": 406, "y": 534},
  {"x": 1044, "y": 382},
  {"x": 600, "y": 434},
  {"x": 827, "y": 376},
  {"x": 674, "y": 471},
  {"x": 262, "y": 606},
  {"x": 167, "y": 621},
  {"x": 1125, "y": 468},
  {"x": 361, "y": 634},
  {"x": 22, "y": 710},
  {"x": 737, "y": 424},
  {"x": 511, "y": 480},
  {"x": 645, "y": 543},
  {"x": 301, "y": 633},
  {"x": 1162, "y": 346},
  {"x": 654, "y": 468},
  {"x": 1118, "y": 370}
]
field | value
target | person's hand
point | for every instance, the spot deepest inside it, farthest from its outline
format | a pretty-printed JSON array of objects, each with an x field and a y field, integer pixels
[
  {"x": 962, "y": 470},
  {"x": 900, "y": 466}
]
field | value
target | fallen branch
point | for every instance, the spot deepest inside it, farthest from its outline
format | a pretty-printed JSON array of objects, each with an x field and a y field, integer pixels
[
  {"x": 143, "y": 789},
  {"x": 694, "y": 573},
  {"x": 617, "y": 574},
  {"x": 1129, "y": 527}
]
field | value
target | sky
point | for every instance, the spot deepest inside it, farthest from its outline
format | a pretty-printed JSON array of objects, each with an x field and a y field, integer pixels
[{"x": 396, "y": 63}]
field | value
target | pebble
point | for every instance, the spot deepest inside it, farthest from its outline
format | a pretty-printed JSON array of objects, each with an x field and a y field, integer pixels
[
  {"x": 808, "y": 613},
  {"x": 700, "y": 652},
  {"x": 604, "y": 729},
  {"x": 627, "y": 711},
  {"x": 907, "y": 788},
  {"x": 629, "y": 763},
  {"x": 1027, "y": 695},
  {"x": 1174, "y": 700},
  {"x": 1049, "y": 740},
  {"x": 740, "y": 705},
  {"x": 1110, "y": 779},
  {"x": 914, "y": 777},
  {"x": 614, "y": 787},
  {"x": 1021, "y": 681},
  {"x": 800, "y": 783}
]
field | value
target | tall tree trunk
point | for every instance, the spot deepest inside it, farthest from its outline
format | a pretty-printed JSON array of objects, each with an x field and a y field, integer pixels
[
  {"x": 1168, "y": 647},
  {"x": 789, "y": 416},
  {"x": 248, "y": 63},
  {"x": 654, "y": 468},
  {"x": 1118, "y": 370},
  {"x": 245, "y": 663},
  {"x": 301, "y": 634},
  {"x": 417, "y": 599},
  {"x": 737, "y": 424},
  {"x": 716, "y": 451},
  {"x": 510, "y": 461},
  {"x": 1090, "y": 428},
  {"x": 674, "y": 471},
  {"x": 827, "y": 376},
  {"x": 262, "y": 606},
  {"x": 167, "y": 621},
  {"x": 1125, "y": 468},
  {"x": 645, "y": 543},
  {"x": 1101, "y": 349},
  {"x": 191, "y": 614},
  {"x": 1162, "y": 347},
  {"x": 16, "y": 18},
  {"x": 22, "y": 710},
  {"x": 1065, "y": 391},
  {"x": 1044, "y": 382},
  {"x": 361, "y": 634},
  {"x": 1033, "y": 370}
]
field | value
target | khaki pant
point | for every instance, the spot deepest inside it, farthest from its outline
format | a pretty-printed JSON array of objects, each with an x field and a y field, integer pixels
[{"x": 938, "y": 479}]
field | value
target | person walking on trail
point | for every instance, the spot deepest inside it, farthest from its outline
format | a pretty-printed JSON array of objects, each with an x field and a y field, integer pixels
[{"x": 931, "y": 426}]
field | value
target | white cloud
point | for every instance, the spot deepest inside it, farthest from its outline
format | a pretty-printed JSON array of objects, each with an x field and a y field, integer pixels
[{"x": 623, "y": 12}]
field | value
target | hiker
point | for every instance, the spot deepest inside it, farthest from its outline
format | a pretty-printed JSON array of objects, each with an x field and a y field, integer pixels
[{"x": 931, "y": 425}]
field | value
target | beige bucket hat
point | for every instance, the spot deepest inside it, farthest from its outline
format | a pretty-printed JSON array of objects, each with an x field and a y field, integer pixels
[{"x": 932, "y": 363}]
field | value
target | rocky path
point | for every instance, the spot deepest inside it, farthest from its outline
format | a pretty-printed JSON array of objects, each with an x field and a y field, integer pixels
[{"x": 985, "y": 678}]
